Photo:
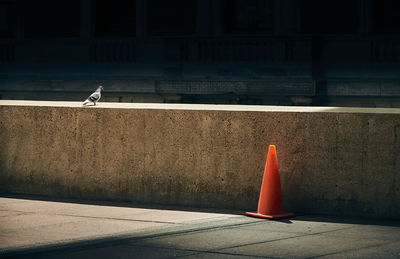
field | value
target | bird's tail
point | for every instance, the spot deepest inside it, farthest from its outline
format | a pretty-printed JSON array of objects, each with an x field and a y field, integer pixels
[{"x": 86, "y": 102}]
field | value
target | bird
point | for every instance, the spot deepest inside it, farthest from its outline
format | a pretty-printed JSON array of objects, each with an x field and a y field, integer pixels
[{"x": 94, "y": 97}]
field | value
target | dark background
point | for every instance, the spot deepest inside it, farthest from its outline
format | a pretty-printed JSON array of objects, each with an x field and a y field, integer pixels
[{"x": 280, "y": 52}]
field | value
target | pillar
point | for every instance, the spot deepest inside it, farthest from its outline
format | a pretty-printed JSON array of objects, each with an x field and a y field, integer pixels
[
  {"x": 217, "y": 21},
  {"x": 365, "y": 17},
  {"x": 87, "y": 9},
  {"x": 19, "y": 30},
  {"x": 288, "y": 16},
  {"x": 203, "y": 17},
  {"x": 277, "y": 17},
  {"x": 141, "y": 19}
]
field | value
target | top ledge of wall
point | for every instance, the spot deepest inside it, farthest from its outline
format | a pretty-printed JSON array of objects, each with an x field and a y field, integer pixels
[{"x": 206, "y": 107}]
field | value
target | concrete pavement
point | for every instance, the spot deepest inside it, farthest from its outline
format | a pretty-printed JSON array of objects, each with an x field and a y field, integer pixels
[{"x": 48, "y": 229}]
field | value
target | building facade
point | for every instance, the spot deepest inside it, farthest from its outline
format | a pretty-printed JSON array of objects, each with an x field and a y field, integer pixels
[{"x": 279, "y": 52}]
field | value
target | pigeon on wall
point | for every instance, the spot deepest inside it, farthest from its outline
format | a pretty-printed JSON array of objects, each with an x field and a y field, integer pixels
[{"x": 94, "y": 97}]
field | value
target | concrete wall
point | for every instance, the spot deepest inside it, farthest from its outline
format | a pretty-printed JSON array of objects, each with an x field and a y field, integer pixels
[{"x": 332, "y": 160}]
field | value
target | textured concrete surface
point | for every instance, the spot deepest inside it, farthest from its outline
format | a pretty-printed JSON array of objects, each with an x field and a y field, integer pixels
[
  {"x": 338, "y": 161},
  {"x": 37, "y": 224},
  {"x": 43, "y": 229}
]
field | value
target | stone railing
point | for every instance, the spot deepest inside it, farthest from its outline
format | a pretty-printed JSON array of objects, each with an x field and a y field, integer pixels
[
  {"x": 385, "y": 50},
  {"x": 238, "y": 49},
  {"x": 113, "y": 50}
]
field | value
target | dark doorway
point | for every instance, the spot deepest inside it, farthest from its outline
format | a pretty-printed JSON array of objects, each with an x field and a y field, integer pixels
[
  {"x": 329, "y": 16},
  {"x": 386, "y": 16},
  {"x": 173, "y": 17},
  {"x": 115, "y": 18},
  {"x": 52, "y": 19}
]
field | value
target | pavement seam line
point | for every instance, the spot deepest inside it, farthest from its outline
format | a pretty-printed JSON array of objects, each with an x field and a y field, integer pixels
[
  {"x": 194, "y": 252},
  {"x": 106, "y": 218},
  {"x": 278, "y": 239},
  {"x": 232, "y": 226},
  {"x": 349, "y": 250},
  {"x": 94, "y": 217},
  {"x": 225, "y": 253},
  {"x": 189, "y": 231}
]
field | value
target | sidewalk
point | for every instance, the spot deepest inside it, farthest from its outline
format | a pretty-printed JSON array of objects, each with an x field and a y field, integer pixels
[{"x": 45, "y": 229}]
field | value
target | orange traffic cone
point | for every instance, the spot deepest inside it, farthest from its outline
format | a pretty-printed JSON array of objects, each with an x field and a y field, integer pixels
[{"x": 270, "y": 205}]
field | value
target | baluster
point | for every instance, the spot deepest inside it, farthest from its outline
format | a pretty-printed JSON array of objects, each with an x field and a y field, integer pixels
[
  {"x": 217, "y": 51},
  {"x": 206, "y": 50},
  {"x": 132, "y": 48},
  {"x": 265, "y": 50},
  {"x": 115, "y": 52},
  {"x": 229, "y": 54},
  {"x": 101, "y": 51},
  {"x": 213, "y": 51},
  {"x": 373, "y": 51},
  {"x": 107, "y": 52},
  {"x": 240, "y": 50},
  {"x": 393, "y": 46},
  {"x": 236, "y": 49},
  {"x": 124, "y": 57},
  {"x": 199, "y": 50},
  {"x": 7, "y": 46},
  {"x": 1, "y": 53},
  {"x": 12, "y": 53},
  {"x": 118, "y": 51}
]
